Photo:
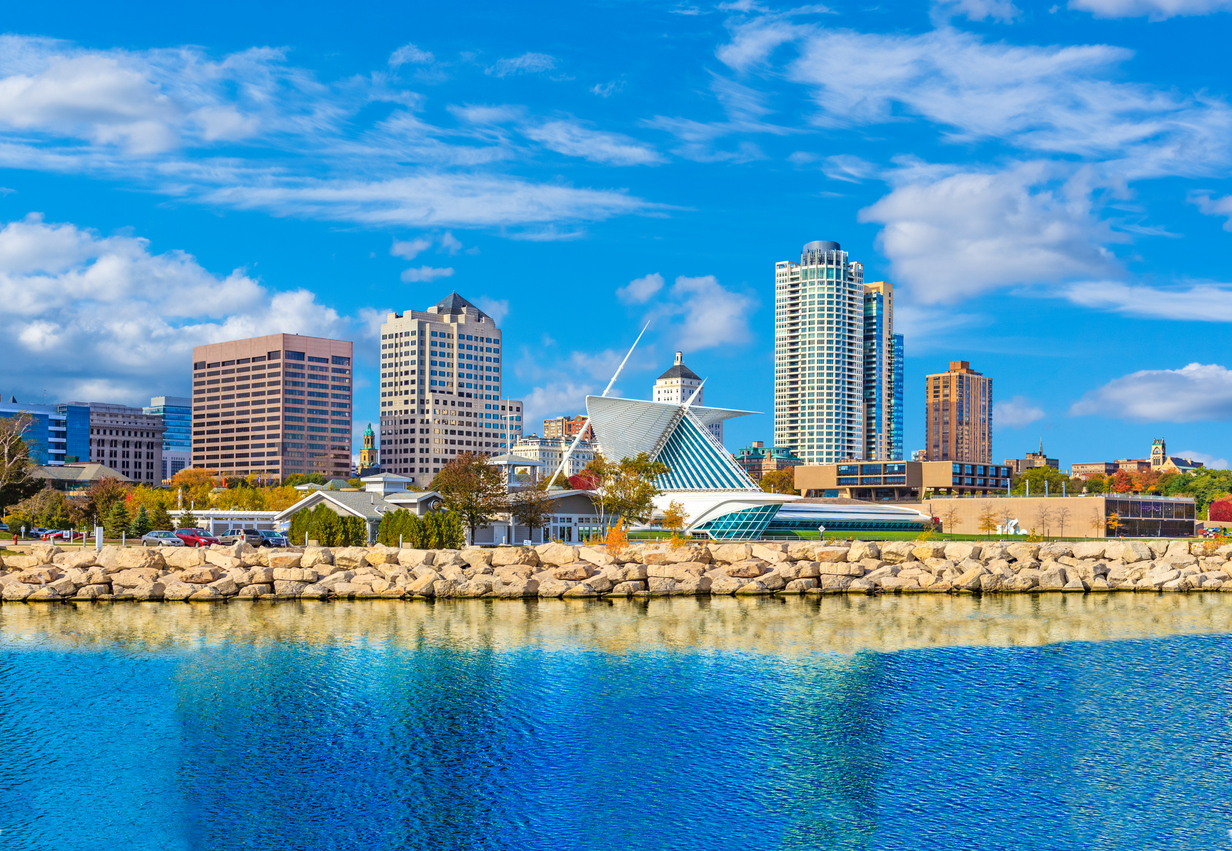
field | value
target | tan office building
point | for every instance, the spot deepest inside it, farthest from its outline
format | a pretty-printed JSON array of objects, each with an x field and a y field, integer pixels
[
  {"x": 893, "y": 481},
  {"x": 958, "y": 415},
  {"x": 273, "y": 406},
  {"x": 568, "y": 427},
  {"x": 441, "y": 389}
]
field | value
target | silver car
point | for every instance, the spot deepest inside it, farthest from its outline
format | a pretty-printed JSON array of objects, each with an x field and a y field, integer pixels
[{"x": 161, "y": 538}]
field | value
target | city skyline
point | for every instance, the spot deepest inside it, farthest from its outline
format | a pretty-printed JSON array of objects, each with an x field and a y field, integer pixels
[{"x": 1064, "y": 204}]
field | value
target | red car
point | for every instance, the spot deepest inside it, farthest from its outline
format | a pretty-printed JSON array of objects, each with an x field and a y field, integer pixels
[
  {"x": 64, "y": 535},
  {"x": 195, "y": 537}
]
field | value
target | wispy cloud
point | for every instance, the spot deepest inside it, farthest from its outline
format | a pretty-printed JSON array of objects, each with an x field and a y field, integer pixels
[
  {"x": 527, "y": 63},
  {"x": 1156, "y": 10},
  {"x": 426, "y": 273}
]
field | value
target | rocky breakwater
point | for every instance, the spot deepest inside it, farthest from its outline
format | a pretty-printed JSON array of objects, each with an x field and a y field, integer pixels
[{"x": 49, "y": 574}]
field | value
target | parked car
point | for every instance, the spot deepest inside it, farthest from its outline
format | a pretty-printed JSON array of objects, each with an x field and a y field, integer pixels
[
  {"x": 195, "y": 537},
  {"x": 231, "y": 536},
  {"x": 63, "y": 535},
  {"x": 161, "y": 538},
  {"x": 274, "y": 539},
  {"x": 4, "y": 527}
]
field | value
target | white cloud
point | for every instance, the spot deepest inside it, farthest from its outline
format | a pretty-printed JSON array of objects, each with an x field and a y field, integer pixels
[
  {"x": 746, "y": 112},
  {"x": 104, "y": 318},
  {"x": 1016, "y": 412},
  {"x": 606, "y": 90},
  {"x": 498, "y": 309},
  {"x": 641, "y": 290},
  {"x": 527, "y": 63},
  {"x": 849, "y": 168},
  {"x": 1055, "y": 99},
  {"x": 409, "y": 249},
  {"x": 957, "y": 235},
  {"x": 158, "y": 119},
  {"x": 1156, "y": 10},
  {"x": 450, "y": 244},
  {"x": 977, "y": 10},
  {"x": 1197, "y": 392},
  {"x": 574, "y": 140},
  {"x": 1214, "y": 206},
  {"x": 409, "y": 53},
  {"x": 707, "y": 314},
  {"x": 426, "y": 273},
  {"x": 1206, "y": 302}
]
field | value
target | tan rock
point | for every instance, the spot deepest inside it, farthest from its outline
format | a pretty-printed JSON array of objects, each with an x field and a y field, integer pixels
[
  {"x": 831, "y": 554},
  {"x": 184, "y": 557},
  {"x": 752, "y": 589},
  {"x": 960, "y": 551},
  {"x": 860, "y": 550},
  {"x": 840, "y": 568},
  {"x": 285, "y": 561},
  {"x": 222, "y": 560},
  {"x": 730, "y": 553},
  {"x": 627, "y": 589},
  {"x": 423, "y": 585},
  {"x": 201, "y": 575},
  {"x": 134, "y": 577},
  {"x": 747, "y": 569},
  {"x": 895, "y": 552},
  {"x": 927, "y": 550},
  {"x": 380, "y": 554},
  {"x": 353, "y": 558},
  {"x": 727, "y": 584},
  {"x": 1053, "y": 579},
  {"x": 1023, "y": 552},
  {"x": 575, "y": 572},
  {"x": 799, "y": 586},
  {"x": 74, "y": 559},
  {"x": 15, "y": 592},
  {"x": 522, "y": 555},
  {"x": 148, "y": 592},
  {"x": 180, "y": 591},
  {"x": 315, "y": 556},
  {"x": 770, "y": 553},
  {"x": 557, "y": 554},
  {"x": 294, "y": 574}
]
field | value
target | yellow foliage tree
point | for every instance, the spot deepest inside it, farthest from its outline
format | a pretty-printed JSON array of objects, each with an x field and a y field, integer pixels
[{"x": 674, "y": 520}]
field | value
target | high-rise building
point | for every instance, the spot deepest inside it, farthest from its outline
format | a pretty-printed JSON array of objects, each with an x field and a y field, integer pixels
[
  {"x": 126, "y": 439},
  {"x": 176, "y": 415},
  {"x": 883, "y": 375},
  {"x": 55, "y": 434},
  {"x": 958, "y": 425},
  {"x": 273, "y": 406},
  {"x": 678, "y": 385},
  {"x": 567, "y": 427},
  {"x": 441, "y": 389},
  {"x": 818, "y": 355}
]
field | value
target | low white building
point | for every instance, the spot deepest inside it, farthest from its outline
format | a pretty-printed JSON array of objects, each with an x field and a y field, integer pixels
[{"x": 547, "y": 452}]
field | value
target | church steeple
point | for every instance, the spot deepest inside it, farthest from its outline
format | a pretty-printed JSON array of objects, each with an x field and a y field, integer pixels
[{"x": 367, "y": 455}]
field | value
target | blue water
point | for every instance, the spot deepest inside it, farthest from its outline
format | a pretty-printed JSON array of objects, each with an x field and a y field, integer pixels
[{"x": 403, "y": 725}]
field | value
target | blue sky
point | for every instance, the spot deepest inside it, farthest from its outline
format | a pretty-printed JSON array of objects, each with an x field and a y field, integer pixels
[{"x": 1044, "y": 183}]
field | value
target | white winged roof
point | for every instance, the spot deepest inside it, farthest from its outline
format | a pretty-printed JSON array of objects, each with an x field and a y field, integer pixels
[{"x": 625, "y": 427}]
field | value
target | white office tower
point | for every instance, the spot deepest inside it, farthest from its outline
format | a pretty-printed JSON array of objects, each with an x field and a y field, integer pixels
[
  {"x": 441, "y": 389},
  {"x": 818, "y": 355},
  {"x": 678, "y": 385}
]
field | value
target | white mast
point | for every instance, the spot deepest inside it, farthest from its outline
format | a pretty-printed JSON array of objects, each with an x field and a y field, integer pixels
[{"x": 564, "y": 459}]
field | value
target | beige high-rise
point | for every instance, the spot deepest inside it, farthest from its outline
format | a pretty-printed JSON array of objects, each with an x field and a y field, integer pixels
[
  {"x": 958, "y": 415},
  {"x": 273, "y": 406},
  {"x": 441, "y": 389}
]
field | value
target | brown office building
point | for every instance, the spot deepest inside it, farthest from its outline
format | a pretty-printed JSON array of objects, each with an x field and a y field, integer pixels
[
  {"x": 567, "y": 427},
  {"x": 128, "y": 440},
  {"x": 893, "y": 481},
  {"x": 273, "y": 406},
  {"x": 958, "y": 415}
]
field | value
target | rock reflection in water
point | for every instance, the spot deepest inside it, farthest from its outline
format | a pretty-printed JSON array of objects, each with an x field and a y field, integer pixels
[{"x": 774, "y": 626}]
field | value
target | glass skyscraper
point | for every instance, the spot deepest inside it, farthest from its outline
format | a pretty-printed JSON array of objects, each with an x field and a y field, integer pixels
[
  {"x": 883, "y": 375},
  {"x": 176, "y": 414}
]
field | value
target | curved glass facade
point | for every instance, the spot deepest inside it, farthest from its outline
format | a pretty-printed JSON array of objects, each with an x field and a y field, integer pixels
[{"x": 748, "y": 524}]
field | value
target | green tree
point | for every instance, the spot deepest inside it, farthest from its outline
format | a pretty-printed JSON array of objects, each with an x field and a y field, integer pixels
[
  {"x": 1096, "y": 484},
  {"x": 101, "y": 497},
  {"x": 117, "y": 520},
  {"x": 779, "y": 481},
  {"x": 140, "y": 524},
  {"x": 626, "y": 488},
  {"x": 188, "y": 520},
  {"x": 161, "y": 519},
  {"x": 471, "y": 488},
  {"x": 1038, "y": 476}
]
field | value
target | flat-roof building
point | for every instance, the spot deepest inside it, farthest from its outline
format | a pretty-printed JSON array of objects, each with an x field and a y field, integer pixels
[
  {"x": 893, "y": 481},
  {"x": 273, "y": 406},
  {"x": 126, "y": 439},
  {"x": 958, "y": 415}
]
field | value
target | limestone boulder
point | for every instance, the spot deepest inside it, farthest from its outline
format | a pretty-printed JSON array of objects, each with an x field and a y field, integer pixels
[
  {"x": 381, "y": 554},
  {"x": 74, "y": 559},
  {"x": 750, "y": 569},
  {"x": 960, "y": 551},
  {"x": 226, "y": 586},
  {"x": 1053, "y": 578},
  {"x": 928, "y": 549},
  {"x": 992, "y": 583},
  {"x": 1129, "y": 551},
  {"x": 1023, "y": 552},
  {"x": 134, "y": 577},
  {"x": 1021, "y": 583},
  {"x": 178, "y": 591},
  {"x": 970, "y": 580},
  {"x": 727, "y": 584},
  {"x": 990, "y": 551},
  {"x": 522, "y": 555},
  {"x": 225, "y": 561},
  {"x": 39, "y": 575},
  {"x": 627, "y": 589},
  {"x": 626, "y": 573},
  {"x": 1178, "y": 553},
  {"x": 289, "y": 588},
  {"x": 315, "y": 556},
  {"x": 130, "y": 557},
  {"x": 184, "y": 557},
  {"x": 1056, "y": 551},
  {"x": 20, "y": 562},
  {"x": 831, "y": 554},
  {"x": 730, "y": 553},
  {"x": 45, "y": 553},
  {"x": 860, "y": 550},
  {"x": 840, "y": 568},
  {"x": 556, "y": 587},
  {"x": 352, "y": 558},
  {"x": 752, "y": 588},
  {"x": 598, "y": 556},
  {"x": 203, "y": 575},
  {"x": 423, "y": 584},
  {"x": 800, "y": 586},
  {"x": 771, "y": 553},
  {"x": 896, "y": 552},
  {"x": 15, "y": 592},
  {"x": 294, "y": 574},
  {"x": 556, "y": 554},
  {"x": 575, "y": 572},
  {"x": 1089, "y": 549},
  {"x": 286, "y": 561}
]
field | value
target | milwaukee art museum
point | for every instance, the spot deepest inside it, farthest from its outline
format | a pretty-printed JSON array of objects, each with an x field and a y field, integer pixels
[{"x": 719, "y": 498}]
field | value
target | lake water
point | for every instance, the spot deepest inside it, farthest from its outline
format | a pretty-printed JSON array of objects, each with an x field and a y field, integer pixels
[{"x": 1053, "y": 722}]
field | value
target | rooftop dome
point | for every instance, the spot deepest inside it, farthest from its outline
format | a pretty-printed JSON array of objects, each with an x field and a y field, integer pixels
[
  {"x": 822, "y": 245},
  {"x": 368, "y": 432}
]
